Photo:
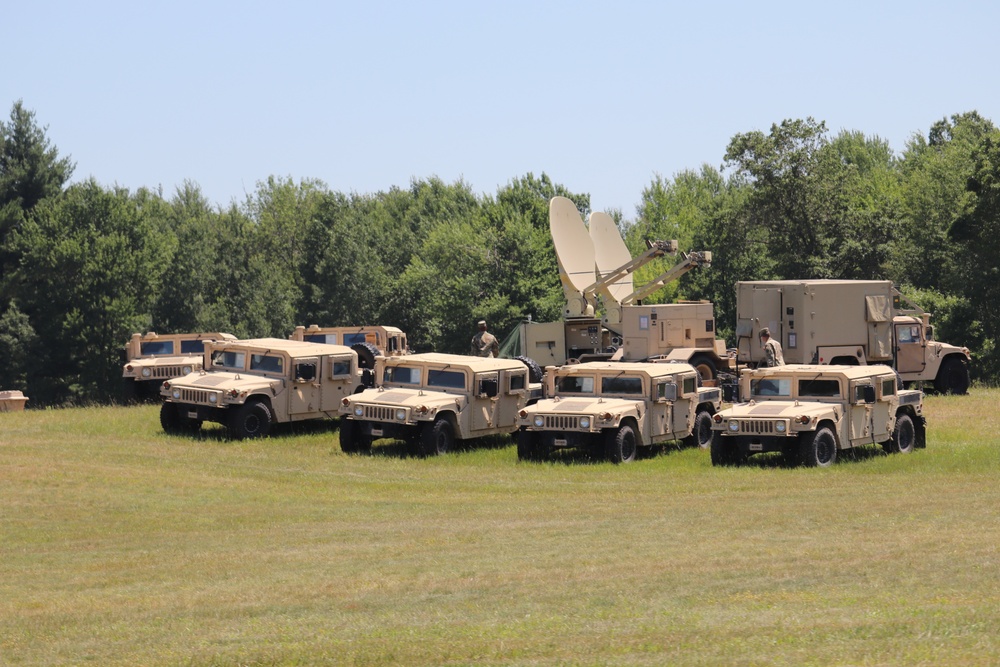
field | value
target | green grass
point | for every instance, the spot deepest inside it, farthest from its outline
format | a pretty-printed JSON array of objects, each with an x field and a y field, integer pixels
[{"x": 121, "y": 545}]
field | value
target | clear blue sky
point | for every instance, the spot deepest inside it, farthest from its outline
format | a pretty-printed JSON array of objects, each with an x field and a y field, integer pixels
[{"x": 367, "y": 95}]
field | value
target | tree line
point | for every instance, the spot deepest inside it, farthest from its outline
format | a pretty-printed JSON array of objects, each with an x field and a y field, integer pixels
[{"x": 83, "y": 265}]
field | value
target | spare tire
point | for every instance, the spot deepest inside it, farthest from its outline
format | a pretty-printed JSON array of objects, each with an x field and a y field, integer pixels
[
  {"x": 535, "y": 372},
  {"x": 366, "y": 354}
]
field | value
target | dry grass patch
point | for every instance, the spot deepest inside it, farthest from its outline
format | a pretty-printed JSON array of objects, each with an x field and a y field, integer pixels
[{"x": 125, "y": 546}]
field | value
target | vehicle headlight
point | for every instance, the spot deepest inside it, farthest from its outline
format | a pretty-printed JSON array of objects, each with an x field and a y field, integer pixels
[
  {"x": 213, "y": 398},
  {"x": 780, "y": 427},
  {"x": 734, "y": 426},
  {"x": 359, "y": 411},
  {"x": 539, "y": 421},
  {"x": 146, "y": 372},
  {"x": 186, "y": 370},
  {"x": 176, "y": 393},
  {"x": 401, "y": 415},
  {"x": 584, "y": 422}
]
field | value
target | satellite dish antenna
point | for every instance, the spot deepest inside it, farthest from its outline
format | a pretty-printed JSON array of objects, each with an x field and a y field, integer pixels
[
  {"x": 575, "y": 254},
  {"x": 610, "y": 253}
]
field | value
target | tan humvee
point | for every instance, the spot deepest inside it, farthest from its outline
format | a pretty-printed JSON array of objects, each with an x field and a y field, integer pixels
[
  {"x": 152, "y": 358},
  {"x": 809, "y": 412},
  {"x": 853, "y": 322},
  {"x": 431, "y": 400},
  {"x": 368, "y": 341},
  {"x": 248, "y": 385},
  {"x": 613, "y": 408}
]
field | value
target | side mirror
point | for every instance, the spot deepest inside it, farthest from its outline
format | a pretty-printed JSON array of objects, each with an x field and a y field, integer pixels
[
  {"x": 670, "y": 392},
  {"x": 869, "y": 394},
  {"x": 731, "y": 392}
]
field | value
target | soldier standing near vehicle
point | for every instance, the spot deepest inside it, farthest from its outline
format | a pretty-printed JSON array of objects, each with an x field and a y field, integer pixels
[
  {"x": 484, "y": 344},
  {"x": 772, "y": 349}
]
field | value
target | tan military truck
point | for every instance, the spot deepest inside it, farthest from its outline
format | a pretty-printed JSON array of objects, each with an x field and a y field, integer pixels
[
  {"x": 810, "y": 412},
  {"x": 249, "y": 385},
  {"x": 151, "y": 358},
  {"x": 613, "y": 408},
  {"x": 430, "y": 400},
  {"x": 847, "y": 322},
  {"x": 368, "y": 341}
]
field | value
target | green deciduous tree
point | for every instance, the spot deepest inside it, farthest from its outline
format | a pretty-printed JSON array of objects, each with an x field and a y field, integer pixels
[
  {"x": 89, "y": 269},
  {"x": 977, "y": 230}
]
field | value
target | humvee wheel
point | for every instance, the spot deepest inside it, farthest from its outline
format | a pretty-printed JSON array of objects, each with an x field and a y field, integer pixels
[
  {"x": 725, "y": 451},
  {"x": 528, "y": 448},
  {"x": 704, "y": 365},
  {"x": 251, "y": 420},
  {"x": 173, "y": 421},
  {"x": 953, "y": 377},
  {"x": 904, "y": 437},
  {"x": 621, "y": 445},
  {"x": 701, "y": 432},
  {"x": 818, "y": 449},
  {"x": 352, "y": 437},
  {"x": 170, "y": 418},
  {"x": 437, "y": 438}
]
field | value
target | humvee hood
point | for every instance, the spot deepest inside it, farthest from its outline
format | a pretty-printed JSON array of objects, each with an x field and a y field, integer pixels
[
  {"x": 779, "y": 409},
  {"x": 584, "y": 405},
  {"x": 398, "y": 397},
  {"x": 219, "y": 381}
]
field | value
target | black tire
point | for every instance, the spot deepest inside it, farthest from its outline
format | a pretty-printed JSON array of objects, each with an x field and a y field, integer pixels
[
  {"x": 953, "y": 377},
  {"x": 251, "y": 420},
  {"x": 904, "y": 436},
  {"x": 818, "y": 449},
  {"x": 174, "y": 420},
  {"x": 170, "y": 418},
  {"x": 705, "y": 366},
  {"x": 366, "y": 354},
  {"x": 701, "y": 432},
  {"x": 528, "y": 448},
  {"x": 352, "y": 437},
  {"x": 535, "y": 372},
  {"x": 724, "y": 450},
  {"x": 437, "y": 438},
  {"x": 621, "y": 445}
]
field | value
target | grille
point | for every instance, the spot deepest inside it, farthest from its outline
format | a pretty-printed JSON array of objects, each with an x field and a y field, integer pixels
[
  {"x": 194, "y": 396},
  {"x": 561, "y": 422},
  {"x": 379, "y": 413},
  {"x": 166, "y": 372},
  {"x": 757, "y": 426}
]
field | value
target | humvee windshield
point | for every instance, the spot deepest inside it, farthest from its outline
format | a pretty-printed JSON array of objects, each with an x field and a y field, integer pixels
[
  {"x": 446, "y": 379},
  {"x": 771, "y": 387},
  {"x": 352, "y": 339},
  {"x": 155, "y": 347},
  {"x": 402, "y": 375},
  {"x": 229, "y": 359},
  {"x": 819, "y": 388},
  {"x": 192, "y": 346},
  {"x": 621, "y": 385},
  {"x": 576, "y": 384},
  {"x": 329, "y": 339}
]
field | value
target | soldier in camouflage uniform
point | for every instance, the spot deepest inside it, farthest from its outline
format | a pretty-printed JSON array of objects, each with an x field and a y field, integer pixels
[
  {"x": 484, "y": 344},
  {"x": 772, "y": 349}
]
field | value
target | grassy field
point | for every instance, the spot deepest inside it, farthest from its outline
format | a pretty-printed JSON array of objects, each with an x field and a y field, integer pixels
[{"x": 120, "y": 545}]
